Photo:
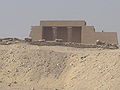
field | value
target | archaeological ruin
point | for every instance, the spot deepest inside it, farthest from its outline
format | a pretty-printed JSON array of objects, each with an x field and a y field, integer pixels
[{"x": 70, "y": 31}]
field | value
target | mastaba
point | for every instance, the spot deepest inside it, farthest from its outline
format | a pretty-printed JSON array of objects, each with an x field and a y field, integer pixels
[{"x": 71, "y": 31}]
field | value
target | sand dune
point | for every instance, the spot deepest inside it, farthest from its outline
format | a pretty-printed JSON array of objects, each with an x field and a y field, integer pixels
[{"x": 30, "y": 67}]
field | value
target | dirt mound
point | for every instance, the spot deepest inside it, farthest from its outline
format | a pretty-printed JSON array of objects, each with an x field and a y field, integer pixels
[{"x": 30, "y": 67}]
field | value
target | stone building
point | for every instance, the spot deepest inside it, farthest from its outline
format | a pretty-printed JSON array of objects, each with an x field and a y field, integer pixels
[{"x": 71, "y": 31}]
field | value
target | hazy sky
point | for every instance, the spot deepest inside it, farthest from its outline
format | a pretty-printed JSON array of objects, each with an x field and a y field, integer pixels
[{"x": 17, "y": 16}]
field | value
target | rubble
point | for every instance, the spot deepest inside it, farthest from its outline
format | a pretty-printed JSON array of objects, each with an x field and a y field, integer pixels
[
  {"x": 67, "y": 44},
  {"x": 101, "y": 44},
  {"x": 98, "y": 42},
  {"x": 43, "y": 40},
  {"x": 8, "y": 41},
  {"x": 28, "y": 39},
  {"x": 58, "y": 42},
  {"x": 76, "y": 45}
]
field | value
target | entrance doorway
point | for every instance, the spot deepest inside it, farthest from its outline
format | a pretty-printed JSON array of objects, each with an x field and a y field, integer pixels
[
  {"x": 48, "y": 33},
  {"x": 76, "y": 34},
  {"x": 62, "y": 33}
]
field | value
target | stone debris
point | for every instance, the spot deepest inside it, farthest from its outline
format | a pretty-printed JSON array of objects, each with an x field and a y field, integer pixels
[
  {"x": 28, "y": 39},
  {"x": 76, "y": 45},
  {"x": 68, "y": 44},
  {"x": 43, "y": 40},
  {"x": 58, "y": 42},
  {"x": 98, "y": 42},
  {"x": 101, "y": 44},
  {"x": 8, "y": 41}
]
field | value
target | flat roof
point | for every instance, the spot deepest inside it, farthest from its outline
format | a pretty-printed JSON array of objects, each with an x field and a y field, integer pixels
[{"x": 63, "y": 23}]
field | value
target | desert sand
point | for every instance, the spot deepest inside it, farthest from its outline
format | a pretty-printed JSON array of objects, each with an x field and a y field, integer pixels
[{"x": 31, "y": 67}]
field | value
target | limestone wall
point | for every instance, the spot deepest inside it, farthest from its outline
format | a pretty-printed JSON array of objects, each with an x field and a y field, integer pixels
[
  {"x": 90, "y": 37},
  {"x": 36, "y": 33}
]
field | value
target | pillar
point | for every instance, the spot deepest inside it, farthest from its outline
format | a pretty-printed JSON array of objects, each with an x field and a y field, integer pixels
[
  {"x": 54, "y": 32},
  {"x": 69, "y": 34}
]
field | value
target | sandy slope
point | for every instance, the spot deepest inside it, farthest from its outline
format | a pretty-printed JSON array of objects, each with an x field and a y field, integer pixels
[{"x": 28, "y": 67}]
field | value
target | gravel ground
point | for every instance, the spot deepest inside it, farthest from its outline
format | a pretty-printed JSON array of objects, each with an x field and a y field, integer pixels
[{"x": 30, "y": 67}]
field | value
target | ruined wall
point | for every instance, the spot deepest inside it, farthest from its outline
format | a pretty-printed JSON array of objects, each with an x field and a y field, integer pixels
[
  {"x": 89, "y": 36},
  {"x": 36, "y": 33},
  {"x": 62, "y": 23}
]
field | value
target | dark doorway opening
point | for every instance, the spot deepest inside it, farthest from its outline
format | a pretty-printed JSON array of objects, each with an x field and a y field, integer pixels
[
  {"x": 48, "y": 33},
  {"x": 76, "y": 34},
  {"x": 62, "y": 33}
]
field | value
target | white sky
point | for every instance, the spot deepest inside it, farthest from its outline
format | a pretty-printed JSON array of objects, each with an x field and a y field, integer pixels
[{"x": 17, "y": 17}]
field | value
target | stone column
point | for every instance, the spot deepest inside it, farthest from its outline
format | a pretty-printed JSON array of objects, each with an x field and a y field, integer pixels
[
  {"x": 69, "y": 34},
  {"x": 54, "y": 32}
]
